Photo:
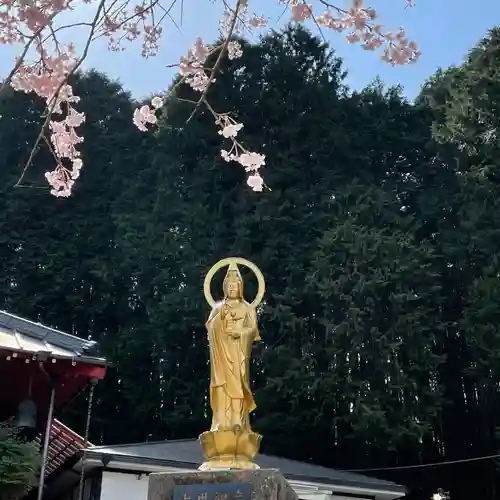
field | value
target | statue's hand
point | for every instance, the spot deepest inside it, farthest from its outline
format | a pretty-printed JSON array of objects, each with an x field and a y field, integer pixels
[
  {"x": 249, "y": 331},
  {"x": 234, "y": 335}
]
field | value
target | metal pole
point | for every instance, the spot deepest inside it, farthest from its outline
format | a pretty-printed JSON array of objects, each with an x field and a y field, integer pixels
[
  {"x": 81, "y": 488},
  {"x": 46, "y": 440}
]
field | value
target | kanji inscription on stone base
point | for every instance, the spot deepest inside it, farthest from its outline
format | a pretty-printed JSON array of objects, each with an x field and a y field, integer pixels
[
  {"x": 206, "y": 491},
  {"x": 253, "y": 484}
]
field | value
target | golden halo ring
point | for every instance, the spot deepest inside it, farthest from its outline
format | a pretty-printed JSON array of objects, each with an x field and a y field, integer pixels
[{"x": 226, "y": 262}]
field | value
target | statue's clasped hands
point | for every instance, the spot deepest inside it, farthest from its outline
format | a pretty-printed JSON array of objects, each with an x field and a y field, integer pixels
[{"x": 231, "y": 331}]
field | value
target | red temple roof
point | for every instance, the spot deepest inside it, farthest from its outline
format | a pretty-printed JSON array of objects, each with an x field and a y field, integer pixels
[{"x": 30, "y": 352}]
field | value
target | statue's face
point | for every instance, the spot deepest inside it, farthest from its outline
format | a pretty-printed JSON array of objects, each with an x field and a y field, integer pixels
[{"x": 233, "y": 289}]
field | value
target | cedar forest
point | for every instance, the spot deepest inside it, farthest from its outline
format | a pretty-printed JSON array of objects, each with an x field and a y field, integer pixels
[{"x": 379, "y": 241}]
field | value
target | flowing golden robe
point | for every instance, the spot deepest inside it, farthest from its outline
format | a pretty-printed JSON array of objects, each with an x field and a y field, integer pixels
[{"x": 232, "y": 329}]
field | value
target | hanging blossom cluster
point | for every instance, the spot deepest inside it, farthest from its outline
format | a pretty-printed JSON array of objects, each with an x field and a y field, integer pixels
[
  {"x": 195, "y": 73},
  {"x": 251, "y": 162},
  {"x": 31, "y": 23},
  {"x": 51, "y": 86},
  {"x": 192, "y": 67},
  {"x": 21, "y": 21},
  {"x": 359, "y": 20},
  {"x": 47, "y": 78}
]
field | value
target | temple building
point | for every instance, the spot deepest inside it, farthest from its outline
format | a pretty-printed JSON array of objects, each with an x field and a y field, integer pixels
[
  {"x": 42, "y": 369},
  {"x": 121, "y": 472}
]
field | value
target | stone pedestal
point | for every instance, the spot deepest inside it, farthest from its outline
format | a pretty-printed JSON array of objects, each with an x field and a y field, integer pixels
[{"x": 261, "y": 484}]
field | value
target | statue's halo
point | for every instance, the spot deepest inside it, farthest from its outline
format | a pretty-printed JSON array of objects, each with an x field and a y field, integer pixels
[{"x": 226, "y": 262}]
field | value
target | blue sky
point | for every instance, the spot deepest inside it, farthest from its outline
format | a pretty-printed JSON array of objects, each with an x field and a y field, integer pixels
[{"x": 445, "y": 30}]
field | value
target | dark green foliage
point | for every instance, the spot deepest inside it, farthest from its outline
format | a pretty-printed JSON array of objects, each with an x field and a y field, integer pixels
[
  {"x": 19, "y": 464},
  {"x": 460, "y": 209},
  {"x": 59, "y": 260},
  {"x": 466, "y": 103},
  {"x": 380, "y": 295},
  {"x": 379, "y": 243},
  {"x": 342, "y": 169}
]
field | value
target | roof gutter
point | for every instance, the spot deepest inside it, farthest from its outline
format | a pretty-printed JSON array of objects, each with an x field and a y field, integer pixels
[{"x": 90, "y": 360}]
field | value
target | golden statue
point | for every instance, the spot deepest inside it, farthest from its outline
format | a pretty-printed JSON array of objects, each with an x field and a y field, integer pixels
[{"x": 232, "y": 329}]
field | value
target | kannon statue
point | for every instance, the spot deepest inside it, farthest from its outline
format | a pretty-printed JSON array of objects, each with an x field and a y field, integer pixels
[{"x": 232, "y": 329}]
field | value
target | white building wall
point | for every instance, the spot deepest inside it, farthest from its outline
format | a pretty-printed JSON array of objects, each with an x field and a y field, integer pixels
[{"x": 120, "y": 486}]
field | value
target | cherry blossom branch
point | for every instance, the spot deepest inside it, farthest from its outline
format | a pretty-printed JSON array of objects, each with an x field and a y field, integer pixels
[
  {"x": 31, "y": 22},
  {"x": 20, "y": 59},
  {"x": 138, "y": 13},
  {"x": 229, "y": 128},
  {"x": 52, "y": 103},
  {"x": 16, "y": 67},
  {"x": 358, "y": 18},
  {"x": 252, "y": 162},
  {"x": 222, "y": 52}
]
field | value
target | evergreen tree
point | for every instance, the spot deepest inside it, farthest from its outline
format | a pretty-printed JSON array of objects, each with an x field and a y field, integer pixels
[
  {"x": 374, "y": 360},
  {"x": 378, "y": 241},
  {"x": 198, "y": 211},
  {"x": 19, "y": 463},
  {"x": 461, "y": 215},
  {"x": 60, "y": 263}
]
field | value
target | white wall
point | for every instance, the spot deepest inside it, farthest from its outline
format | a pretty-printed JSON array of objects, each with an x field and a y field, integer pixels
[
  {"x": 119, "y": 486},
  {"x": 326, "y": 497}
]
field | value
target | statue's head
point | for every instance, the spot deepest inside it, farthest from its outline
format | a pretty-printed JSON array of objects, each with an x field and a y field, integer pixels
[{"x": 233, "y": 283}]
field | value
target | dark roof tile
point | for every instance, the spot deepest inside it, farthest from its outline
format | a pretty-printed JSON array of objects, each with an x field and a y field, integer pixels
[
  {"x": 43, "y": 333},
  {"x": 187, "y": 452}
]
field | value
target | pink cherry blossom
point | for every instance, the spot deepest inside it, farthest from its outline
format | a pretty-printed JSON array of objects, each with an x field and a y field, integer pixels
[
  {"x": 234, "y": 50},
  {"x": 157, "y": 102},
  {"x": 143, "y": 116},
  {"x": 229, "y": 126},
  {"x": 256, "y": 182},
  {"x": 301, "y": 11},
  {"x": 252, "y": 161},
  {"x": 34, "y": 26}
]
